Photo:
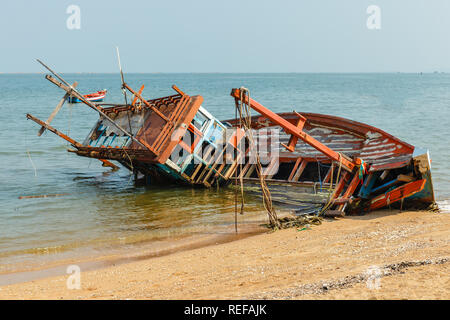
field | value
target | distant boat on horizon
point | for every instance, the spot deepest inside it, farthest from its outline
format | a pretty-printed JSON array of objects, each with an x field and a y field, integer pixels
[{"x": 94, "y": 97}]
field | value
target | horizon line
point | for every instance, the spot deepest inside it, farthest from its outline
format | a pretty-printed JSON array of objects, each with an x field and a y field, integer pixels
[{"x": 224, "y": 72}]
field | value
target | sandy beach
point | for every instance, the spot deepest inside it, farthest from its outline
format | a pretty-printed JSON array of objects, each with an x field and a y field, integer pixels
[{"x": 383, "y": 255}]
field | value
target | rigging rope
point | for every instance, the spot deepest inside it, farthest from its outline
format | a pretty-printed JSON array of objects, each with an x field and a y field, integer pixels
[
  {"x": 331, "y": 189},
  {"x": 245, "y": 119},
  {"x": 32, "y": 163}
]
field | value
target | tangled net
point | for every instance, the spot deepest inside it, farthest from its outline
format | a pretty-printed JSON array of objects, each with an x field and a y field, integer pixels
[{"x": 295, "y": 221}]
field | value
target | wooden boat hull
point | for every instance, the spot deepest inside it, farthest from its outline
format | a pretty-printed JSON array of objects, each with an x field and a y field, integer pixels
[
  {"x": 321, "y": 162},
  {"x": 392, "y": 163}
]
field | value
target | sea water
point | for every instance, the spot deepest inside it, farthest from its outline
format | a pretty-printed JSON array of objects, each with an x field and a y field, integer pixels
[{"x": 101, "y": 211}]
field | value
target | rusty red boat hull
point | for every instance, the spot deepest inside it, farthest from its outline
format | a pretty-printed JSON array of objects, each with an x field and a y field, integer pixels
[
  {"x": 391, "y": 162},
  {"x": 352, "y": 138}
]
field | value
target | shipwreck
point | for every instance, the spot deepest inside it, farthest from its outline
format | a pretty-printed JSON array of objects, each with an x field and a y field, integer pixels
[{"x": 323, "y": 164}]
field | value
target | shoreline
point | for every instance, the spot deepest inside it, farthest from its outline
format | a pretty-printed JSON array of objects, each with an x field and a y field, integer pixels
[
  {"x": 411, "y": 249},
  {"x": 141, "y": 251}
]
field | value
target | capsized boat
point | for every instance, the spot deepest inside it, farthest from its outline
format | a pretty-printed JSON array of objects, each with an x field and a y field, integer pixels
[
  {"x": 341, "y": 163},
  {"x": 324, "y": 164},
  {"x": 94, "y": 97}
]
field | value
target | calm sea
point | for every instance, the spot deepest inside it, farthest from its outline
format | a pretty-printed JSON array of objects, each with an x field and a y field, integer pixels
[{"x": 103, "y": 210}]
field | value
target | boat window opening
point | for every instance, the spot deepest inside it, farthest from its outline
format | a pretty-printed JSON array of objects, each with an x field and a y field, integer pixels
[
  {"x": 199, "y": 120},
  {"x": 216, "y": 134}
]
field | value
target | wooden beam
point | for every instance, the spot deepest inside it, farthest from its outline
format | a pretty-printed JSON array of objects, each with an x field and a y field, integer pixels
[
  {"x": 397, "y": 194},
  {"x": 295, "y": 168},
  {"x": 269, "y": 168},
  {"x": 51, "y": 129},
  {"x": 300, "y": 170},
  {"x": 107, "y": 163},
  {"x": 151, "y": 106},
  {"x": 293, "y": 130},
  {"x": 250, "y": 171},
  {"x": 136, "y": 98},
  {"x": 350, "y": 189},
  {"x": 58, "y": 107},
  {"x": 405, "y": 178},
  {"x": 293, "y": 139},
  {"x": 245, "y": 169},
  {"x": 340, "y": 185},
  {"x": 74, "y": 143}
]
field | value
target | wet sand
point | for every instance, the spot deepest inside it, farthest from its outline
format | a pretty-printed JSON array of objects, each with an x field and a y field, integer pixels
[{"x": 383, "y": 255}]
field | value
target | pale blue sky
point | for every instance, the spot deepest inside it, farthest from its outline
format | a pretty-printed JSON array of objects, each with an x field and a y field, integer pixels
[{"x": 226, "y": 36}]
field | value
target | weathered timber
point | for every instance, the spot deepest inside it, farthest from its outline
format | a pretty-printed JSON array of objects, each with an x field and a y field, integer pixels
[
  {"x": 67, "y": 138},
  {"x": 146, "y": 103},
  {"x": 68, "y": 88},
  {"x": 294, "y": 130},
  {"x": 44, "y": 196},
  {"x": 58, "y": 107},
  {"x": 334, "y": 213},
  {"x": 51, "y": 129}
]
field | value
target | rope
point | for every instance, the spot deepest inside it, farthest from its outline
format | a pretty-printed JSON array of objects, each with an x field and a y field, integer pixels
[
  {"x": 29, "y": 156},
  {"x": 331, "y": 189},
  {"x": 320, "y": 176},
  {"x": 245, "y": 119},
  {"x": 235, "y": 189},
  {"x": 70, "y": 121},
  {"x": 32, "y": 163},
  {"x": 131, "y": 165}
]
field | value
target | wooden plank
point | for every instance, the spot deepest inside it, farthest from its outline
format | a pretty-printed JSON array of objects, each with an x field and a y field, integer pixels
[
  {"x": 300, "y": 170},
  {"x": 136, "y": 98},
  {"x": 295, "y": 168},
  {"x": 213, "y": 168},
  {"x": 74, "y": 143},
  {"x": 197, "y": 169},
  {"x": 384, "y": 174},
  {"x": 58, "y": 107},
  {"x": 51, "y": 129},
  {"x": 293, "y": 139},
  {"x": 250, "y": 171},
  {"x": 405, "y": 178},
  {"x": 146, "y": 103},
  {"x": 107, "y": 163},
  {"x": 340, "y": 185},
  {"x": 334, "y": 213},
  {"x": 244, "y": 170},
  {"x": 397, "y": 194},
  {"x": 350, "y": 189},
  {"x": 270, "y": 168},
  {"x": 366, "y": 188}
]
